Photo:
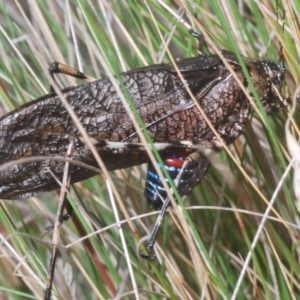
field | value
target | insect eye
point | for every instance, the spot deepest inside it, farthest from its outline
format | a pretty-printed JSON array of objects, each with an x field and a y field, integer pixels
[{"x": 280, "y": 76}]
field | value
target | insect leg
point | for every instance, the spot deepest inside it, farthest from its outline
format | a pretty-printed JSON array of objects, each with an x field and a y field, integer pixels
[
  {"x": 59, "y": 68},
  {"x": 196, "y": 166},
  {"x": 69, "y": 214}
]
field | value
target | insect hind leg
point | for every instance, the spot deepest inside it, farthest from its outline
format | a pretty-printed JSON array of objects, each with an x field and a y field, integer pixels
[
  {"x": 60, "y": 68},
  {"x": 196, "y": 167}
]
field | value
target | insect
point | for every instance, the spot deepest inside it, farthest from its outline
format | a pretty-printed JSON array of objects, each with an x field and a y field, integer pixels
[
  {"x": 43, "y": 126},
  {"x": 159, "y": 92}
]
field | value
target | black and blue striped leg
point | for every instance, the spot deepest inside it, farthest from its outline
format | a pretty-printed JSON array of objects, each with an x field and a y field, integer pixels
[{"x": 187, "y": 171}]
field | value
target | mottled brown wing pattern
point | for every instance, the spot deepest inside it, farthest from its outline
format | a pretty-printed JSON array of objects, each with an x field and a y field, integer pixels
[{"x": 43, "y": 127}]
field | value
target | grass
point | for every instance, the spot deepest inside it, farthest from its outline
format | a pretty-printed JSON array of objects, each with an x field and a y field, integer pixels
[{"x": 201, "y": 258}]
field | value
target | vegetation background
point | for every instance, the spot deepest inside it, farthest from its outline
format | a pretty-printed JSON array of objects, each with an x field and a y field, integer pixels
[{"x": 205, "y": 256}]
